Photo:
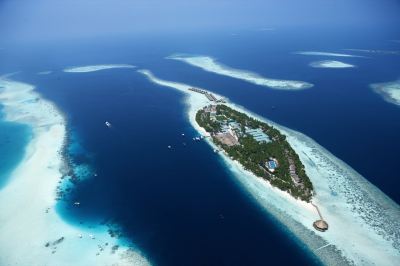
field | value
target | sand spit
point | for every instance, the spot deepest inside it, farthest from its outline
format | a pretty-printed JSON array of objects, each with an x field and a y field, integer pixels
[
  {"x": 390, "y": 91},
  {"x": 330, "y": 64},
  {"x": 32, "y": 232},
  {"x": 364, "y": 222},
  {"x": 93, "y": 68},
  {"x": 317, "y": 53},
  {"x": 212, "y": 65}
]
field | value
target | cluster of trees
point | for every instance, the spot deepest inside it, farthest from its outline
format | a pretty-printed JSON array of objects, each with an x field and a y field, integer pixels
[
  {"x": 253, "y": 155},
  {"x": 204, "y": 120}
]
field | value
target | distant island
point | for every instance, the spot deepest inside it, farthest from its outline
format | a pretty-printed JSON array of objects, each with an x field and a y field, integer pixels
[{"x": 258, "y": 147}]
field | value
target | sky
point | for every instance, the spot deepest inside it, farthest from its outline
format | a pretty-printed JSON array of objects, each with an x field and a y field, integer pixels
[{"x": 54, "y": 19}]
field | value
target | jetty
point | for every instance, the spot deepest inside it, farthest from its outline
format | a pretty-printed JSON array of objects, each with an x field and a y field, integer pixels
[
  {"x": 209, "y": 95},
  {"x": 320, "y": 225}
]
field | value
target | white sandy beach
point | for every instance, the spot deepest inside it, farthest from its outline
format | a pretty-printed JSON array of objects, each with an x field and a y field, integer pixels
[
  {"x": 211, "y": 65},
  {"x": 364, "y": 224},
  {"x": 331, "y": 64},
  {"x": 93, "y": 68},
  {"x": 28, "y": 219},
  {"x": 390, "y": 91}
]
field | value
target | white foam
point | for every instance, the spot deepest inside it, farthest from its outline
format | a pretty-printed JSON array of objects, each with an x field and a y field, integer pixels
[
  {"x": 316, "y": 53},
  {"x": 92, "y": 68},
  {"x": 364, "y": 224},
  {"x": 390, "y": 91},
  {"x": 28, "y": 219},
  {"x": 330, "y": 64},
  {"x": 211, "y": 65}
]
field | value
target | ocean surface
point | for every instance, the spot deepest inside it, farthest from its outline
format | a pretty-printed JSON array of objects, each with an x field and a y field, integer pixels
[{"x": 182, "y": 206}]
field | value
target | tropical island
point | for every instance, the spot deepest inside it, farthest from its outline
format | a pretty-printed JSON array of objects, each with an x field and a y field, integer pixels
[{"x": 258, "y": 147}]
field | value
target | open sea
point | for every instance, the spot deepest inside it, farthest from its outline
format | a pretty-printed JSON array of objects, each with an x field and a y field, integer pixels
[{"x": 182, "y": 206}]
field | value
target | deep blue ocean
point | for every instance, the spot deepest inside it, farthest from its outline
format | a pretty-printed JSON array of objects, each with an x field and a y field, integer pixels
[{"x": 181, "y": 206}]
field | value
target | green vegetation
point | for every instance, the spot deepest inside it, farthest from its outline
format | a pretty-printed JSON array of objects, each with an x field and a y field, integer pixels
[
  {"x": 253, "y": 155},
  {"x": 203, "y": 119}
]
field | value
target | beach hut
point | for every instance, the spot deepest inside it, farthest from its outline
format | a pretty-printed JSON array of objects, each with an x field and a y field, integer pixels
[{"x": 320, "y": 225}]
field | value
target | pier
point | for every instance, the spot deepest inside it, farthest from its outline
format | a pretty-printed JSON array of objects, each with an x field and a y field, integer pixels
[
  {"x": 209, "y": 95},
  {"x": 320, "y": 225}
]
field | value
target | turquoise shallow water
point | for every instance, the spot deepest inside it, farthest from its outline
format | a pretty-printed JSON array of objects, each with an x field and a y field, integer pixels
[{"x": 14, "y": 138}]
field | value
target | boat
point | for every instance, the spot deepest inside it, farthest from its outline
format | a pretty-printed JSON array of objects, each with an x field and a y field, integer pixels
[{"x": 108, "y": 124}]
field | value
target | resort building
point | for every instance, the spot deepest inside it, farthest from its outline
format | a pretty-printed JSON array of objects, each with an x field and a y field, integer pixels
[
  {"x": 227, "y": 129},
  {"x": 212, "y": 110},
  {"x": 234, "y": 125},
  {"x": 292, "y": 170},
  {"x": 258, "y": 135},
  {"x": 320, "y": 225}
]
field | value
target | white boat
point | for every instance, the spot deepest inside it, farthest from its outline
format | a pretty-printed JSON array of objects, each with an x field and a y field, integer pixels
[{"x": 108, "y": 124}]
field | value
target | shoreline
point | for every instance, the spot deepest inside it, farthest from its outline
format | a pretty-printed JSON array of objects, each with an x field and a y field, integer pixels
[
  {"x": 33, "y": 232},
  {"x": 334, "y": 64},
  {"x": 348, "y": 201},
  {"x": 210, "y": 64},
  {"x": 94, "y": 68},
  {"x": 389, "y": 91}
]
